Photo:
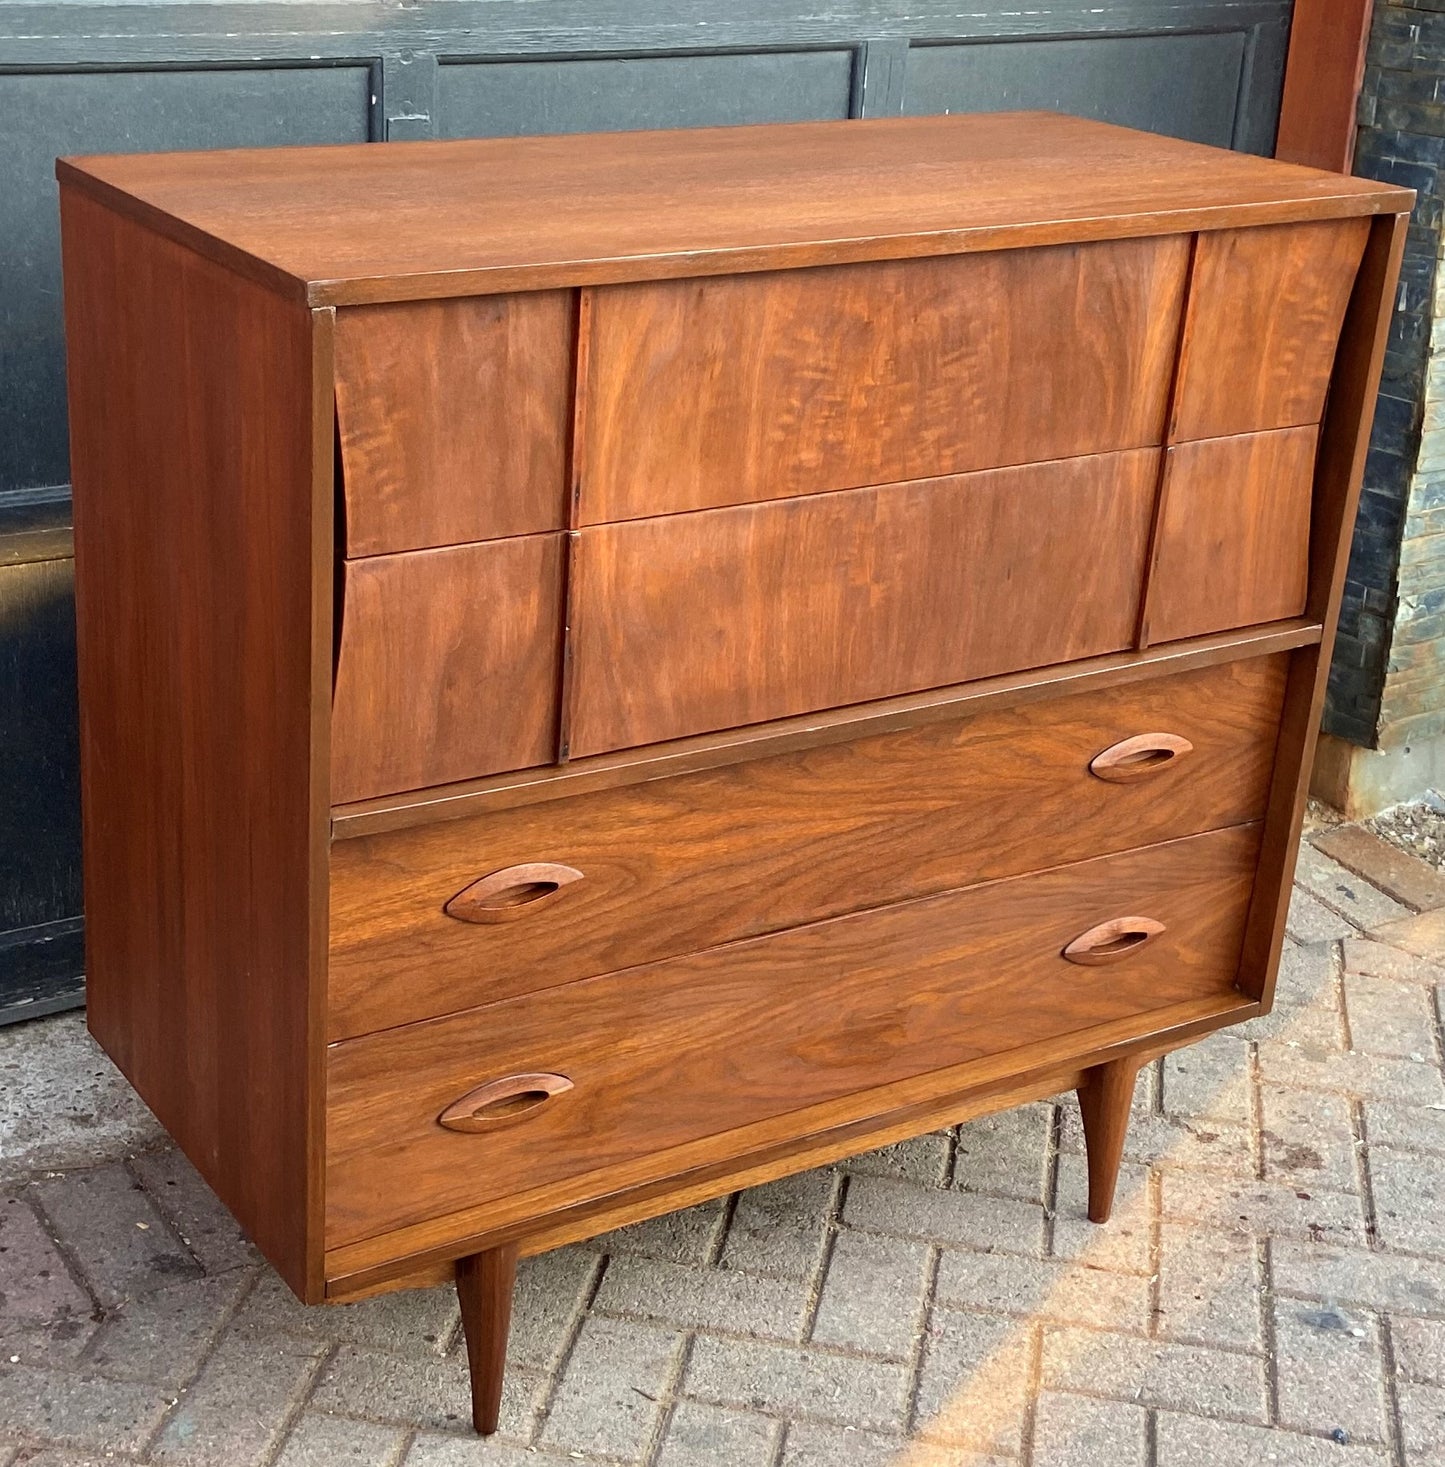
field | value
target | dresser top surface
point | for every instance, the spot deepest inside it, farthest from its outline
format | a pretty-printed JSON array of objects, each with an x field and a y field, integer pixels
[{"x": 377, "y": 222}]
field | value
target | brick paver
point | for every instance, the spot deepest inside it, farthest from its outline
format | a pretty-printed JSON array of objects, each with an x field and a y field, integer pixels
[{"x": 1271, "y": 1290}]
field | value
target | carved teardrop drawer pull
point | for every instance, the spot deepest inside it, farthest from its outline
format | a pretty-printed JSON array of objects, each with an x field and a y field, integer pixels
[
  {"x": 512, "y": 1098},
  {"x": 1120, "y": 937},
  {"x": 511, "y": 892},
  {"x": 1139, "y": 757}
]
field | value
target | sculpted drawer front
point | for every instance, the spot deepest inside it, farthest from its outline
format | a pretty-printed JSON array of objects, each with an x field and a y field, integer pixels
[
  {"x": 621, "y": 877},
  {"x": 1265, "y": 309},
  {"x": 565, "y": 1093},
  {"x": 739, "y": 388},
  {"x": 453, "y": 419},
  {"x": 1232, "y": 543},
  {"x": 693, "y": 622},
  {"x": 448, "y": 665}
]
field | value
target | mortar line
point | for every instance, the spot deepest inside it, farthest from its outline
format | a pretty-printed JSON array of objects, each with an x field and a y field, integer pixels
[
  {"x": 293, "y": 1414},
  {"x": 667, "y": 1398},
  {"x": 1341, "y": 990},
  {"x": 1265, "y": 1247},
  {"x": 207, "y": 1355},
  {"x": 832, "y": 1221},
  {"x": 1394, "y": 1419},
  {"x": 1053, "y": 1150},
  {"x": 164, "y": 1213},
  {"x": 563, "y": 1357},
  {"x": 920, "y": 1342},
  {"x": 1154, "y": 1196},
  {"x": 719, "y": 1239},
  {"x": 1360, "y": 1145},
  {"x": 1034, "y": 1388},
  {"x": 68, "y": 1256}
]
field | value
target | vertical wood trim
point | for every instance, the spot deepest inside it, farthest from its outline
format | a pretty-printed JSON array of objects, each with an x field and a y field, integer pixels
[
  {"x": 1339, "y": 468},
  {"x": 1322, "y": 78},
  {"x": 576, "y": 477},
  {"x": 568, "y": 693},
  {"x": 1161, "y": 487},
  {"x": 581, "y": 384},
  {"x": 324, "y": 571}
]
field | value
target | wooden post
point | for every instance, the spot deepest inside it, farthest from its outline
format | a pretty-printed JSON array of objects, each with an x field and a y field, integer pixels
[
  {"x": 1104, "y": 1099},
  {"x": 1322, "y": 77},
  {"x": 484, "y": 1291}
]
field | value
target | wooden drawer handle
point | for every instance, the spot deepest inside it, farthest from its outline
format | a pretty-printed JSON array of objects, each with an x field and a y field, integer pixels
[
  {"x": 1120, "y": 937},
  {"x": 1139, "y": 757},
  {"x": 509, "y": 1099},
  {"x": 511, "y": 892}
]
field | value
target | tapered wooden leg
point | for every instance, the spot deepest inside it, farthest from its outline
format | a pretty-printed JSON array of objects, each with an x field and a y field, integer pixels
[
  {"x": 484, "y": 1290},
  {"x": 1104, "y": 1099}
]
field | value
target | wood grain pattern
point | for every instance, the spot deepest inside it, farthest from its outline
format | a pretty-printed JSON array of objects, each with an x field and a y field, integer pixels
[
  {"x": 449, "y": 665},
  {"x": 339, "y": 225},
  {"x": 1232, "y": 543},
  {"x": 1327, "y": 43},
  {"x": 1265, "y": 307},
  {"x": 731, "y": 616},
  {"x": 453, "y": 419},
  {"x": 786, "y": 1144},
  {"x": 520, "y": 787},
  {"x": 1339, "y": 470},
  {"x": 679, "y": 864},
  {"x": 702, "y": 1045},
  {"x": 203, "y": 615},
  {"x": 736, "y": 389}
]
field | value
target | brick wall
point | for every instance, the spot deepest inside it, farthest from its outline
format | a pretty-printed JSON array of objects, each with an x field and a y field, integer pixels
[{"x": 1387, "y": 685}]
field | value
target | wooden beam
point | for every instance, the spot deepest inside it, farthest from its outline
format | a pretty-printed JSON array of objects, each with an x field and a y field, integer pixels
[{"x": 1322, "y": 83}]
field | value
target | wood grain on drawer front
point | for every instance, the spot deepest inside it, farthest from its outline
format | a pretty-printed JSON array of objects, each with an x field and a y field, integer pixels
[
  {"x": 1233, "y": 542},
  {"x": 700, "y": 1046},
  {"x": 453, "y": 419},
  {"x": 740, "y": 388},
  {"x": 689, "y": 862},
  {"x": 1265, "y": 310},
  {"x": 449, "y": 665},
  {"x": 694, "y": 622}
]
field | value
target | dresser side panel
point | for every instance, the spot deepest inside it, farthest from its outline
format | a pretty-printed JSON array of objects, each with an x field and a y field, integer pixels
[
  {"x": 1339, "y": 468},
  {"x": 201, "y": 514}
]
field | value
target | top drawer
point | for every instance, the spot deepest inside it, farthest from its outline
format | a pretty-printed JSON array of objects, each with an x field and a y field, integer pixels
[
  {"x": 735, "y": 389},
  {"x": 453, "y": 419},
  {"x": 1265, "y": 309}
]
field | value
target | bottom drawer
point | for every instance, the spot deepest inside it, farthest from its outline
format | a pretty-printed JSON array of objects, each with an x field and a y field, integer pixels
[{"x": 697, "y": 1047}]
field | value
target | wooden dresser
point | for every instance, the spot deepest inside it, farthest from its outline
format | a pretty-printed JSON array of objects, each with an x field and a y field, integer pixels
[{"x": 614, "y": 668}]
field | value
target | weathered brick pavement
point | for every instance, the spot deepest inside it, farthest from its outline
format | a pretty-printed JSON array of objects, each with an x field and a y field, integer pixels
[{"x": 1271, "y": 1291}]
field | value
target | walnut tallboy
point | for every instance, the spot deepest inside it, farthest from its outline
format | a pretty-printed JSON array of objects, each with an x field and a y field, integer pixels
[{"x": 615, "y": 668}]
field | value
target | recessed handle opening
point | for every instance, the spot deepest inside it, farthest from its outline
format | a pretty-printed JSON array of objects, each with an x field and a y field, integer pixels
[
  {"x": 1139, "y": 757},
  {"x": 512, "y": 892},
  {"x": 1110, "y": 941},
  {"x": 511, "y": 1098}
]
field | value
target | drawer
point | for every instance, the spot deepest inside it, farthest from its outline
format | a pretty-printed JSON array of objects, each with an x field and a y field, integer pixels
[
  {"x": 694, "y": 622},
  {"x": 453, "y": 419},
  {"x": 700, "y": 1048},
  {"x": 684, "y": 863},
  {"x": 741, "y": 388},
  {"x": 448, "y": 666},
  {"x": 1233, "y": 543},
  {"x": 1265, "y": 309}
]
